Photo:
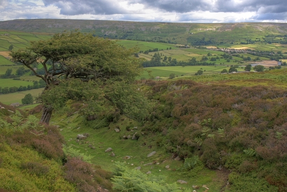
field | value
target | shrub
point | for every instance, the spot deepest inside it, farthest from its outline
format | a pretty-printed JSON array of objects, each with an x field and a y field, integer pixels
[
  {"x": 35, "y": 168},
  {"x": 86, "y": 177}
]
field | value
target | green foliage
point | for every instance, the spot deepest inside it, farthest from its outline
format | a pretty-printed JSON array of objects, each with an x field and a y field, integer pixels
[
  {"x": 248, "y": 184},
  {"x": 247, "y": 67},
  {"x": 224, "y": 71},
  {"x": 171, "y": 76},
  {"x": 191, "y": 163},
  {"x": 72, "y": 152},
  {"x": 132, "y": 180},
  {"x": 258, "y": 68},
  {"x": 28, "y": 99}
]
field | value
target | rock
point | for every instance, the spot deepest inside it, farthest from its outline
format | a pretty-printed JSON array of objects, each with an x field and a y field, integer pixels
[
  {"x": 195, "y": 187},
  {"x": 135, "y": 136},
  {"x": 204, "y": 186},
  {"x": 129, "y": 136},
  {"x": 125, "y": 137},
  {"x": 138, "y": 168},
  {"x": 149, "y": 172},
  {"x": 117, "y": 130},
  {"x": 181, "y": 182},
  {"x": 177, "y": 158},
  {"x": 127, "y": 157},
  {"x": 167, "y": 167},
  {"x": 81, "y": 136},
  {"x": 91, "y": 146},
  {"x": 112, "y": 154},
  {"x": 148, "y": 164},
  {"x": 135, "y": 127},
  {"x": 108, "y": 149},
  {"x": 151, "y": 154}
]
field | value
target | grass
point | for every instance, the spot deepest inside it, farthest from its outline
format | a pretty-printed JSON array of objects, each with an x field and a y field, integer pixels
[
  {"x": 14, "y": 83},
  {"x": 143, "y": 46},
  {"x": 18, "y": 96},
  {"x": 3, "y": 69},
  {"x": 180, "y": 71},
  {"x": 106, "y": 137},
  {"x": 4, "y": 61}
]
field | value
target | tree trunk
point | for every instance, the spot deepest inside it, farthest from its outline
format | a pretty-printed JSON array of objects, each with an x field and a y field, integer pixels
[{"x": 46, "y": 116}]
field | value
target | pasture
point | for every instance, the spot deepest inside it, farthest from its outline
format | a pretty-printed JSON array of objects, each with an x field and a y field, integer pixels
[
  {"x": 18, "y": 96},
  {"x": 144, "y": 45},
  {"x": 152, "y": 72},
  {"x": 14, "y": 83},
  {"x": 4, "y": 61}
]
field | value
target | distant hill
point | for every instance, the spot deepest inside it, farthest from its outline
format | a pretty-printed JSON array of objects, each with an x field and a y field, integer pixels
[{"x": 183, "y": 33}]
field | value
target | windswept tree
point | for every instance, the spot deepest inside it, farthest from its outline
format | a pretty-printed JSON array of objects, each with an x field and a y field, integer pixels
[{"x": 79, "y": 66}]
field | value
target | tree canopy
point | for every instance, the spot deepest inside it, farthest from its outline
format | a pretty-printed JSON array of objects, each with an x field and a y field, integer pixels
[{"x": 71, "y": 59}]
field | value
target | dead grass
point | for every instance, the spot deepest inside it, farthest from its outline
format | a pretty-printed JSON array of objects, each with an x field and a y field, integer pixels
[{"x": 5, "y": 54}]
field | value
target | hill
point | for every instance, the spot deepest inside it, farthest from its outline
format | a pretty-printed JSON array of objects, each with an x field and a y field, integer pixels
[{"x": 184, "y": 33}]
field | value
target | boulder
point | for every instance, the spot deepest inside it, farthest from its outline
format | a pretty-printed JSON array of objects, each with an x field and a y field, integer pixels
[
  {"x": 112, "y": 154},
  {"x": 108, "y": 149},
  {"x": 181, "y": 182},
  {"x": 81, "y": 136},
  {"x": 151, "y": 154},
  {"x": 117, "y": 130}
]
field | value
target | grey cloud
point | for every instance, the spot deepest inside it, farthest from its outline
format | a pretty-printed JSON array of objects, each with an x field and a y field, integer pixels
[
  {"x": 265, "y": 6},
  {"x": 181, "y": 6},
  {"x": 271, "y": 16},
  {"x": 75, "y": 7}
]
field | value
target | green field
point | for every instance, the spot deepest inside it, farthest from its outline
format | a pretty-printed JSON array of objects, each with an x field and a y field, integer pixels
[
  {"x": 4, "y": 61},
  {"x": 143, "y": 46},
  {"x": 181, "y": 71},
  {"x": 14, "y": 83},
  {"x": 18, "y": 96},
  {"x": 18, "y": 39}
]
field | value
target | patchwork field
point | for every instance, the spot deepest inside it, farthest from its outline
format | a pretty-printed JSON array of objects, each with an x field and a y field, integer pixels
[{"x": 18, "y": 96}]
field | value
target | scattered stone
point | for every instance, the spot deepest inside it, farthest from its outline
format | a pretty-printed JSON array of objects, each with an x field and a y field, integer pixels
[
  {"x": 10, "y": 111},
  {"x": 181, "y": 182},
  {"x": 108, "y": 149},
  {"x": 148, "y": 164},
  {"x": 117, "y": 130},
  {"x": 177, "y": 158},
  {"x": 112, "y": 154},
  {"x": 127, "y": 157},
  {"x": 138, "y": 168},
  {"x": 129, "y": 136},
  {"x": 61, "y": 129},
  {"x": 81, "y": 136},
  {"x": 132, "y": 164},
  {"x": 194, "y": 191},
  {"x": 135, "y": 127},
  {"x": 91, "y": 146},
  {"x": 204, "y": 186},
  {"x": 135, "y": 136},
  {"x": 195, "y": 187},
  {"x": 125, "y": 137},
  {"x": 149, "y": 172},
  {"x": 159, "y": 170},
  {"x": 167, "y": 167},
  {"x": 151, "y": 154},
  {"x": 78, "y": 127}
]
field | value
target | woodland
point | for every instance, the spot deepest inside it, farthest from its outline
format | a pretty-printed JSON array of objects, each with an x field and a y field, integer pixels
[{"x": 97, "y": 126}]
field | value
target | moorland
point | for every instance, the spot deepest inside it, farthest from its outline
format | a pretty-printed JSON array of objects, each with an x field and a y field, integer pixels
[{"x": 215, "y": 121}]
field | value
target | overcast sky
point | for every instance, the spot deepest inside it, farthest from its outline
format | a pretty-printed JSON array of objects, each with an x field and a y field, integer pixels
[{"x": 194, "y": 11}]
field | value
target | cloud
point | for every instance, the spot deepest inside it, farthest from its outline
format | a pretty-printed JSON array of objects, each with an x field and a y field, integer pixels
[
  {"x": 197, "y": 11},
  {"x": 181, "y": 6},
  {"x": 76, "y": 7}
]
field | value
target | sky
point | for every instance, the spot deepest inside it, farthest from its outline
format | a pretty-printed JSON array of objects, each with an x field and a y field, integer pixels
[{"x": 185, "y": 11}]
